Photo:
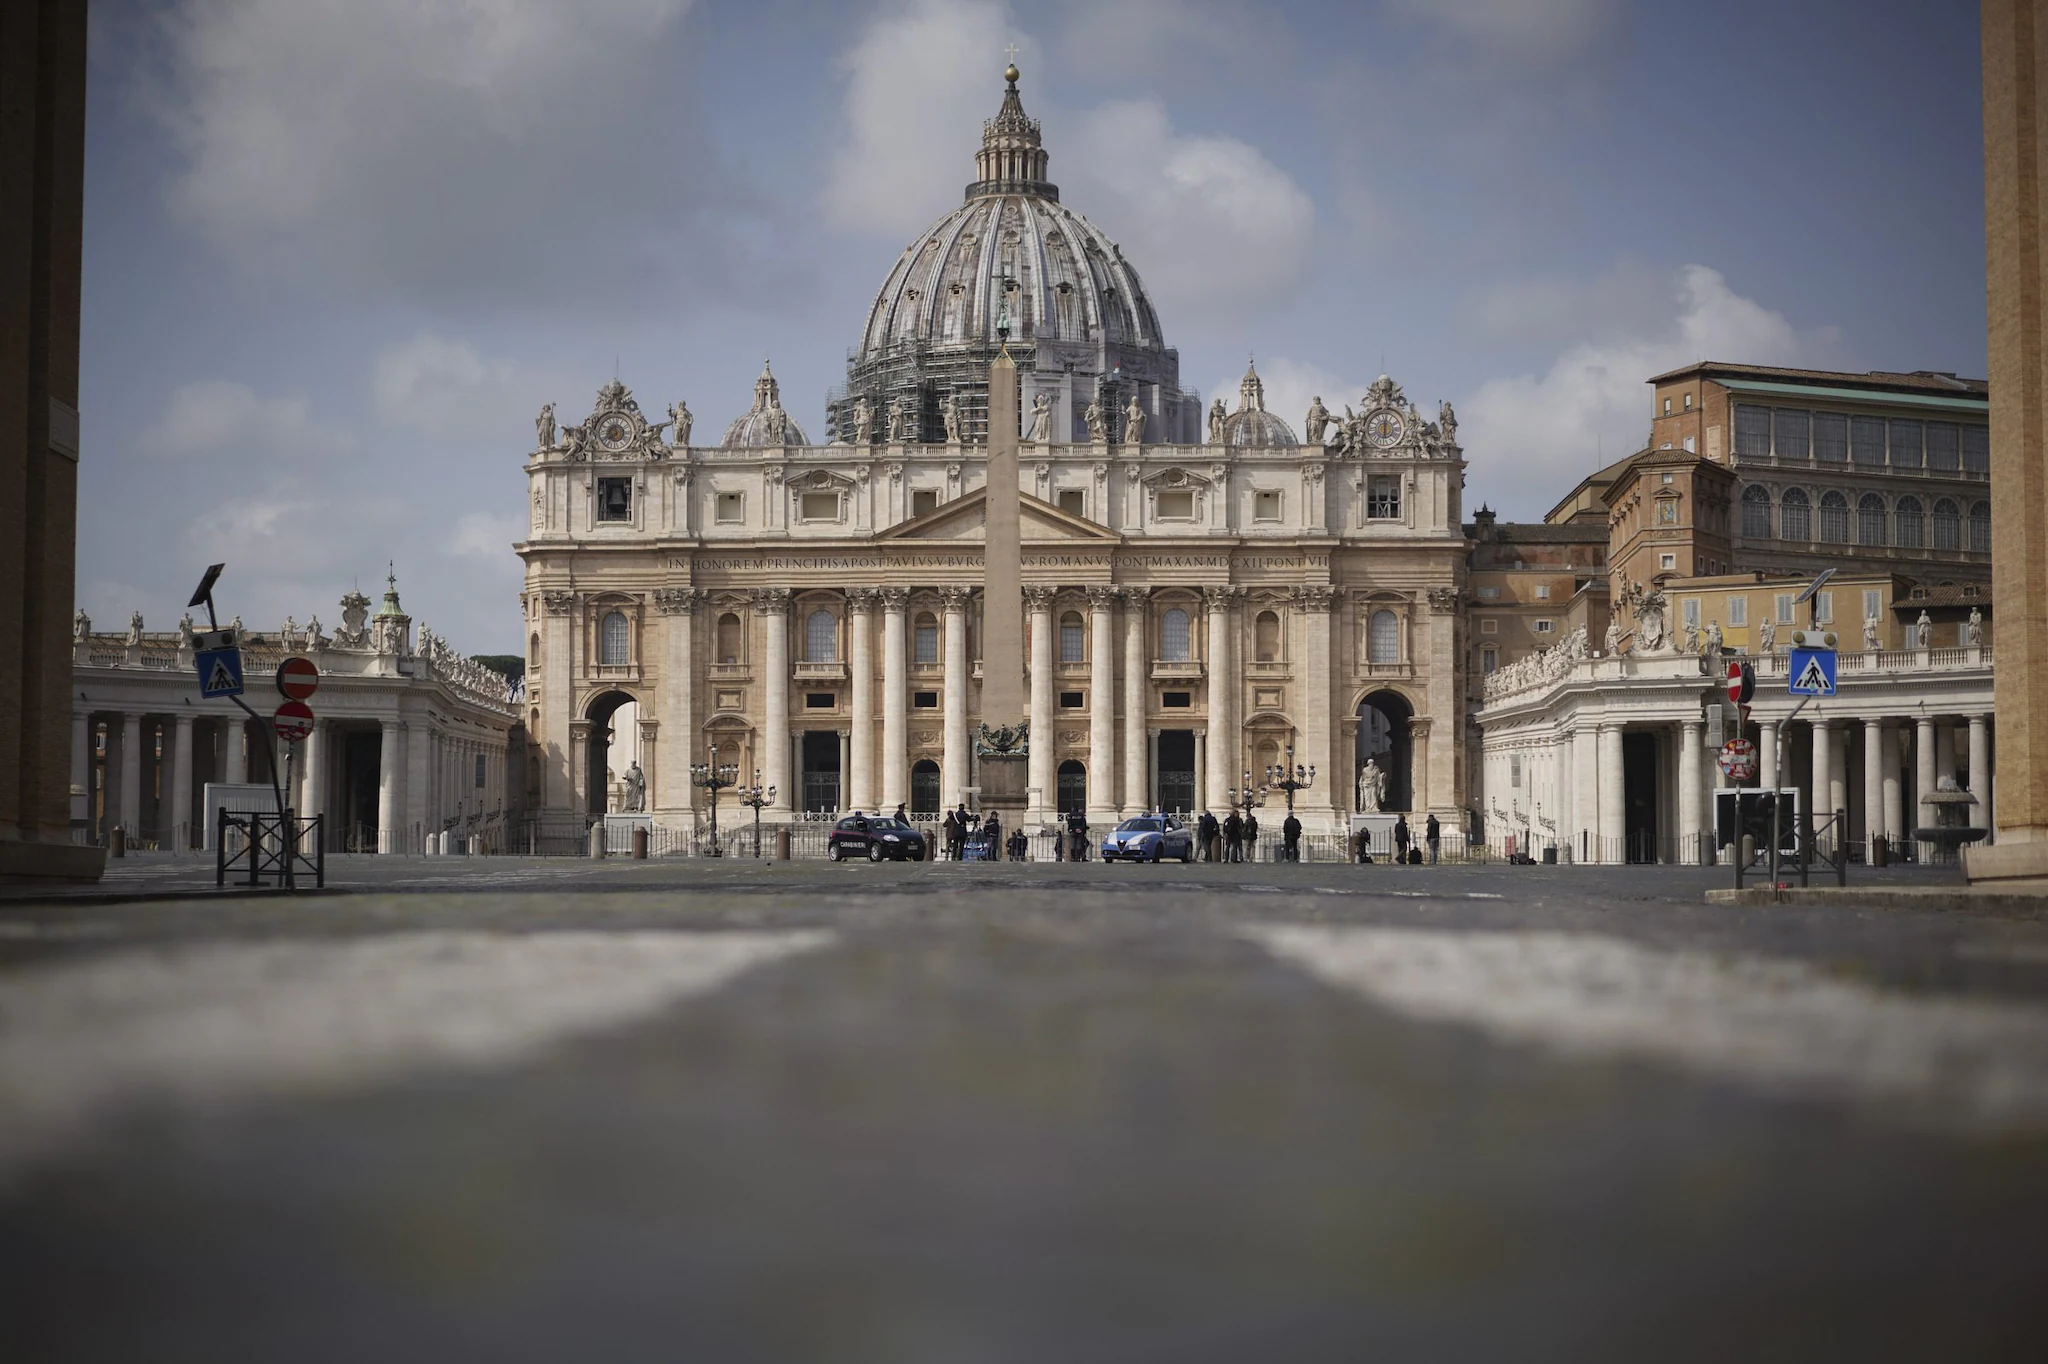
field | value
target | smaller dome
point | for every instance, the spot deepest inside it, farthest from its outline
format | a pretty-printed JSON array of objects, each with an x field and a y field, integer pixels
[
  {"x": 767, "y": 422},
  {"x": 1252, "y": 426}
]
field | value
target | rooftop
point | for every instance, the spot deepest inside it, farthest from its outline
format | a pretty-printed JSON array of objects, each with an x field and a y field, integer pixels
[{"x": 1889, "y": 381}]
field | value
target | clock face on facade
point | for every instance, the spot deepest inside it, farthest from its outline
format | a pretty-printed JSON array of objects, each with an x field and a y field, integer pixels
[
  {"x": 613, "y": 433},
  {"x": 1384, "y": 427}
]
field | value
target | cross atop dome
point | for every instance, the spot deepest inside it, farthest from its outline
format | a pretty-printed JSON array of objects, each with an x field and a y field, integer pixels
[{"x": 1012, "y": 159}]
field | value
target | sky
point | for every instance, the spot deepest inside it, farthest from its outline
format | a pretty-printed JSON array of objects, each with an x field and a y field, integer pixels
[{"x": 339, "y": 252}]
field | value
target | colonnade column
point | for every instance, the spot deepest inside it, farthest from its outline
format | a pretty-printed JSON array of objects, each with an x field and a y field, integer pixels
[
  {"x": 1767, "y": 755},
  {"x": 1137, "y": 743},
  {"x": 1586, "y": 782},
  {"x": 1039, "y": 796},
  {"x": 895, "y": 700},
  {"x": 1222, "y": 767},
  {"x": 860, "y": 624},
  {"x": 1315, "y": 706},
  {"x": 237, "y": 758},
  {"x": 180, "y": 782},
  {"x": 1822, "y": 778},
  {"x": 1874, "y": 825},
  {"x": 81, "y": 767},
  {"x": 390, "y": 790},
  {"x": 953, "y": 766},
  {"x": 1613, "y": 812},
  {"x": 771, "y": 606},
  {"x": 1689, "y": 791},
  {"x": 1101, "y": 705},
  {"x": 1895, "y": 825},
  {"x": 1980, "y": 769},
  {"x": 1923, "y": 777},
  {"x": 131, "y": 773},
  {"x": 676, "y": 740}
]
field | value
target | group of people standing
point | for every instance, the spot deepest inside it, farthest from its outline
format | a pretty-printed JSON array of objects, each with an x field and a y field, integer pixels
[
  {"x": 1235, "y": 837},
  {"x": 1404, "y": 850}
]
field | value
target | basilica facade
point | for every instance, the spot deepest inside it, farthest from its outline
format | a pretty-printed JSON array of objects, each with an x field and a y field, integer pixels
[{"x": 1209, "y": 595}]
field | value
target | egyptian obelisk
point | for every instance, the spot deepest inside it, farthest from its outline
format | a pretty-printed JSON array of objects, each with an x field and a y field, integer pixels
[{"x": 1002, "y": 775}]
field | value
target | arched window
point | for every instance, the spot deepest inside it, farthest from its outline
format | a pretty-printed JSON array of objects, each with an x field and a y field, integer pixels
[
  {"x": 1910, "y": 524},
  {"x": 614, "y": 640},
  {"x": 1870, "y": 520},
  {"x": 925, "y": 639},
  {"x": 728, "y": 638},
  {"x": 1073, "y": 787},
  {"x": 533, "y": 651},
  {"x": 924, "y": 787},
  {"x": 1073, "y": 639},
  {"x": 821, "y": 637},
  {"x": 1756, "y": 512},
  {"x": 1948, "y": 524},
  {"x": 1383, "y": 638},
  {"x": 1795, "y": 515},
  {"x": 1266, "y": 637},
  {"x": 1173, "y": 636},
  {"x": 1980, "y": 527},
  {"x": 1834, "y": 518}
]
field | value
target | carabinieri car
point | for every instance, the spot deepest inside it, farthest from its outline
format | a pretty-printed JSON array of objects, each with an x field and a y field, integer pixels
[
  {"x": 878, "y": 838},
  {"x": 1149, "y": 838}
]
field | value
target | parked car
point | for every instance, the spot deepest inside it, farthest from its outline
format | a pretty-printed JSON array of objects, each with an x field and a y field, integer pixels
[
  {"x": 1149, "y": 838},
  {"x": 878, "y": 838}
]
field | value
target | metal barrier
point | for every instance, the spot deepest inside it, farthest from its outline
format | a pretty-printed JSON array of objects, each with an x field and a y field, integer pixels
[{"x": 269, "y": 847}]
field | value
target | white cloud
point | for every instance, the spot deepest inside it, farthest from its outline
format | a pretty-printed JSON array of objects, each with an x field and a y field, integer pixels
[
  {"x": 1530, "y": 436},
  {"x": 215, "y": 416},
  {"x": 480, "y": 535},
  {"x": 442, "y": 387}
]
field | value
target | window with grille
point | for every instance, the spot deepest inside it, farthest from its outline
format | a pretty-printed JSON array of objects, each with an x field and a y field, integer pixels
[
  {"x": 1908, "y": 445},
  {"x": 1756, "y": 512},
  {"x": 1831, "y": 437},
  {"x": 1866, "y": 439},
  {"x": 1383, "y": 638},
  {"x": 1752, "y": 432},
  {"x": 1795, "y": 515},
  {"x": 1793, "y": 433},
  {"x": 1489, "y": 660},
  {"x": 1834, "y": 518},
  {"x": 1947, "y": 525},
  {"x": 1944, "y": 445},
  {"x": 615, "y": 499},
  {"x": 614, "y": 640},
  {"x": 1910, "y": 524},
  {"x": 924, "y": 787},
  {"x": 1870, "y": 520},
  {"x": 1784, "y": 605},
  {"x": 1977, "y": 449},
  {"x": 821, "y": 637},
  {"x": 1173, "y": 636},
  {"x": 1543, "y": 592},
  {"x": 1073, "y": 639},
  {"x": 1738, "y": 610},
  {"x": 1980, "y": 527},
  {"x": 1383, "y": 498},
  {"x": 1073, "y": 787},
  {"x": 1824, "y": 607},
  {"x": 1873, "y": 603},
  {"x": 1543, "y": 627},
  {"x": 925, "y": 640},
  {"x": 1692, "y": 613}
]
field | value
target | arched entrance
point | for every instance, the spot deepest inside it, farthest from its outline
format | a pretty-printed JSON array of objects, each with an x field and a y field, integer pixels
[
  {"x": 1383, "y": 739},
  {"x": 924, "y": 787},
  {"x": 597, "y": 762},
  {"x": 1073, "y": 787}
]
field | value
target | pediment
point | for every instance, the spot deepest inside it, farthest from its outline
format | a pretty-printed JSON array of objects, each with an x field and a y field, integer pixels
[{"x": 966, "y": 518}]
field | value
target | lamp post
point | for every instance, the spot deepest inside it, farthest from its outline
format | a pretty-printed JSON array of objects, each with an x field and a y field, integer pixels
[
  {"x": 714, "y": 777},
  {"x": 754, "y": 797},
  {"x": 1290, "y": 777}
]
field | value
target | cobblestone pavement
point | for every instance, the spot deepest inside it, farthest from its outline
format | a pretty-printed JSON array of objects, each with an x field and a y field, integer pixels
[{"x": 510, "y": 1110}]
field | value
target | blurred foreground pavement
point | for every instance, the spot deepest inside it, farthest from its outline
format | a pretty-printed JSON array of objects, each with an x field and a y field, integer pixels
[{"x": 513, "y": 1110}]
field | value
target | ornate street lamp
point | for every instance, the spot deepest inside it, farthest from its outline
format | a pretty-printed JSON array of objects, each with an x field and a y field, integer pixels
[
  {"x": 754, "y": 797},
  {"x": 1290, "y": 777},
  {"x": 714, "y": 777},
  {"x": 1247, "y": 798}
]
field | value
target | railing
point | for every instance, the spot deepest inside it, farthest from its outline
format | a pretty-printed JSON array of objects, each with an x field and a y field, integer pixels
[{"x": 269, "y": 848}]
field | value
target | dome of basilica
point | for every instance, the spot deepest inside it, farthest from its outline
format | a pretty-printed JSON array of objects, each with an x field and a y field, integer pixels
[
  {"x": 766, "y": 422},
  {"x": 1251, "y": 427}
]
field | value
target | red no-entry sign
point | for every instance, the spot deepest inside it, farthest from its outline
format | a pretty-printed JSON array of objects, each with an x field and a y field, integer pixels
[
  {"x": 297, "y": 678},
  {"x": 294, "y": 721},
  {"x": 1741, "y": 683}
]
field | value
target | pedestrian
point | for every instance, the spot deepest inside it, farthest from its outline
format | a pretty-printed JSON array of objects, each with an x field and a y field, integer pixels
[
  {"x": 1400, "y": 839},
  {"x": 1432, "y": 834},
  {"x": 952, "y": 832},
  {"x": 1207, "y": 830},
  {"x": 1365, "y": 844},
  {"x": 1290, "y": 835},
  {"x": 992, "y": 836},
  {"x": 1077, "y": 836},
  {"x": 1233, "y": 838},
  {"x": 901, "y": 818},
  {"x": 1251, "y": 837}
]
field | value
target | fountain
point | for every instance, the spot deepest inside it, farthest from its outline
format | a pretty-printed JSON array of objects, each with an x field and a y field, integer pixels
[{"x": 1950, "y": 810}]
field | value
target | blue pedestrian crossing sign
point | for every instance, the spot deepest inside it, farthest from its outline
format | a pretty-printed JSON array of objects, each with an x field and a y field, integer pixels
[
  {"x": 220, "y": 672},
  {"x": 1811, "y": 672}
]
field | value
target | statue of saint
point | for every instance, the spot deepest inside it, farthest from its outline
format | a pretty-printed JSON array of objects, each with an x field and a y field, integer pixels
[
  {"x": 1447, "y": 422},
  {"x": 185, "y": 636},
  {"x": 635, "y": 799},
  {"x": 1217, "y": 412},
  {"x": 863, "y": 421},
  {"x": 135, "y": 626},
  {"x": 290, "y": 633},
  {"x": 679, "y": 415},
  {"x": 1767, "y": 635},
  {"x": 1097, "y": 430},
  {"x": 1372, "y": 786},
  {"x": 1871, "y": 641},
  {"x": 1316, "y": 422},
  {"x": 1041, "y": 419},
  {"x": 313, "y": 640},
  {"x": 1613, "y": 638},
  {"x": 949, "y": 413},
  {"x": 81, "y": 626},
  {"x": 1923, "y": 632},
  {"x": 778, "y": 424},
  {"x": 1973, "y": 629},
  {"x": 544, "y": 426},
  {"x": 1713, "y": 642},
  {"x": 1134, "y": 423}
]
